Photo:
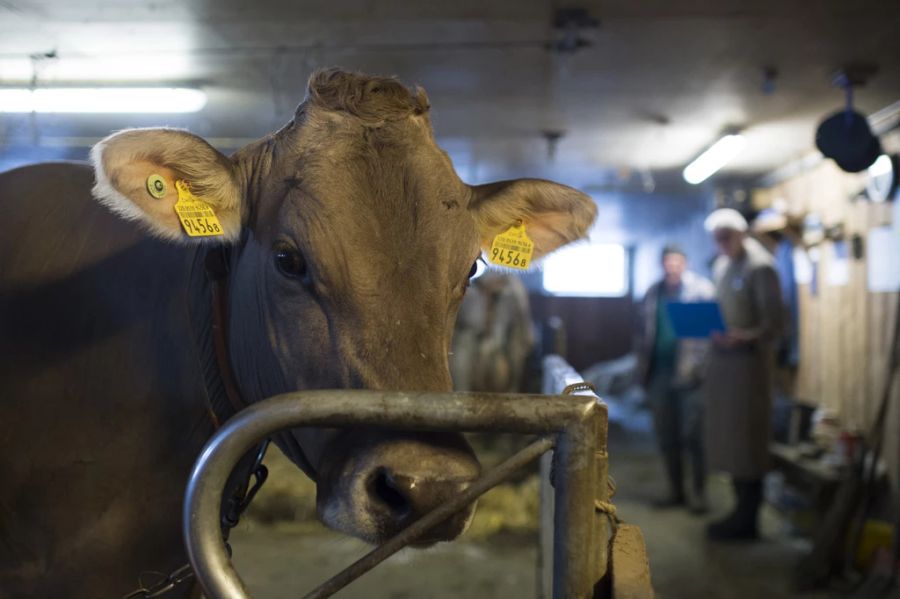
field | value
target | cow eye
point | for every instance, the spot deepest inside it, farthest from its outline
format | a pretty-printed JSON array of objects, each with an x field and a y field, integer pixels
[
  {"x": 477, "y": 268},
  {"x": 290, "y": 262},
  {"x": 474, "y": 272}
]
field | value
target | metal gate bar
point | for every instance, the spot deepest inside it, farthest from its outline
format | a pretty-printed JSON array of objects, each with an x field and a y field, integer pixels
[
  {"x": 579, "y": 424},
  {"x": 559, "y": 376}
]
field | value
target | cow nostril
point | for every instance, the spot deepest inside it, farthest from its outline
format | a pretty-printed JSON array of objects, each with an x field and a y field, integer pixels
[{"x": 385, "y": 489}]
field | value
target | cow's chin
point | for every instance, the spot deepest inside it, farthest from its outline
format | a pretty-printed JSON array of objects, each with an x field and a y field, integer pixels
[{"x": 291, "y": 445}]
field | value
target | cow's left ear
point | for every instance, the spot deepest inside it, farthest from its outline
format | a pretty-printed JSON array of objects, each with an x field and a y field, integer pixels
[
  {"x": 553, "y": 214},
  {"x": 136, "y": 172}
]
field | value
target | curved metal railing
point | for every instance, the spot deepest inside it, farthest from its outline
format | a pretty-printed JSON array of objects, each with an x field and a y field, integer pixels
[{"x": 574, "y": 426}]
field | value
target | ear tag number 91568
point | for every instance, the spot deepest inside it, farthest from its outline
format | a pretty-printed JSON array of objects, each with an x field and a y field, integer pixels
[
  {"x": 196, "y": 216},
  {"x": 512, "y": 248}
]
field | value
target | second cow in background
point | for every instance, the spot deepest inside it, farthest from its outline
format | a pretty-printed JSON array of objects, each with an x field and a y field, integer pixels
[{"x": 493, "y": 336}]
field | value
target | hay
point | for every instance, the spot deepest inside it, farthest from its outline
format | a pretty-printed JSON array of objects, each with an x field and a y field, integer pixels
[{"x": 288, "y": 499}]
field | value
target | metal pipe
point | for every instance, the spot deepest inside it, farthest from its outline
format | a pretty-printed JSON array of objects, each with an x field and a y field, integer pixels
[
  {"x": 518, "y": 413},
  {"x": 574, "y": 535},
  {"x": 342, "y": 408},
  {"x": 546, "y": 511},
  {"x": 559, "y": 375},
  {"x": 412, "y": 532}
]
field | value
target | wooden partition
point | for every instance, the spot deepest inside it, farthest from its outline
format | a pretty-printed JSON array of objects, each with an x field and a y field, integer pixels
[{"x": 844, "y": 330}]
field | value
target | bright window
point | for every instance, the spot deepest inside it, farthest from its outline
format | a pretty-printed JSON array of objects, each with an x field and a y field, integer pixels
[{"x": 587, "y": 270}]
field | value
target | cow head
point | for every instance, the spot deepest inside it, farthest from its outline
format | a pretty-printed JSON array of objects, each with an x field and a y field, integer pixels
[{"x": 354, "y": 241}]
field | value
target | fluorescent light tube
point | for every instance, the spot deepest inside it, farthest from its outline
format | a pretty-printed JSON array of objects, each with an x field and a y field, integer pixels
[
  {"x": 715, "y": 157},
  {"x": 102, "y": 100},
  {"x": 112, "y": 70}
]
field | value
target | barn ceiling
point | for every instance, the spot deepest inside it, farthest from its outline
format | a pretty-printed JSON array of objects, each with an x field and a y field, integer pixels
[{"x": 655, "y": 83}]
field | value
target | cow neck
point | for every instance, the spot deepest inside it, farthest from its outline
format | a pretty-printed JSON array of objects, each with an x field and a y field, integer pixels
[{"x": 217, "y": 265}]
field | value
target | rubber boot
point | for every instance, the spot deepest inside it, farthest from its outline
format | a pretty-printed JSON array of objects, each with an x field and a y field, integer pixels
[
  {"x": 699, "y": 504},
  {"x": 741, "y": 524}
]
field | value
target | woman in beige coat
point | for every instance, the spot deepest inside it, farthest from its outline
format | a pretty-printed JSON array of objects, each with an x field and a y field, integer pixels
[{"x": 738, "y": 386}]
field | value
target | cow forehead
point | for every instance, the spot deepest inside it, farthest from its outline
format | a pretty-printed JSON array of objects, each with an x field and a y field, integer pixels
[
  {"x": 394, "y": 177},
  {"x": 334, "y": 141},
  {"x": 385, "y": 211}
]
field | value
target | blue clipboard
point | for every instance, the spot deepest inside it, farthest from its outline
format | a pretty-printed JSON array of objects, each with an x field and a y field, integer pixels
[{"x": 695, "y": 320}]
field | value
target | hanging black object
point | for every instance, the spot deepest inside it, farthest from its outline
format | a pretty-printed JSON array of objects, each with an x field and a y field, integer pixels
[{"x": 845, "y": 136}]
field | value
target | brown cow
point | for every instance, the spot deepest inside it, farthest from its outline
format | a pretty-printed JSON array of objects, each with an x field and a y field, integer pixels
[{"x": 351, "y": 241}]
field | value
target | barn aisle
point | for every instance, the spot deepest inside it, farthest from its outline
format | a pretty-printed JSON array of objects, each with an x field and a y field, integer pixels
[{"x": 683, "y": 563}]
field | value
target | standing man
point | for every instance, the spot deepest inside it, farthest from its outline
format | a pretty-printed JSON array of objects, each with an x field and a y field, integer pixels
[
  {"x": 741, "y": 367},
  {"x": 672, "y": 372}
]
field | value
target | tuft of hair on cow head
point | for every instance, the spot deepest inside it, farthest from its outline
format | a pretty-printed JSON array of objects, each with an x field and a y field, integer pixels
[
  {"x": 373, "y": 100},
  {"x": 138, "y": 171}
]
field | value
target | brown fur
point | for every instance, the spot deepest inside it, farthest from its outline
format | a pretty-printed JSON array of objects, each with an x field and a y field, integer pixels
[{"x": 373, "y": 100}]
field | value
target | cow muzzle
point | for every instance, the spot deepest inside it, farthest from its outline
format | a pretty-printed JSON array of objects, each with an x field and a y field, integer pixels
[
  {"x": 396, "y": 501},
  {"x": 389, "y": 481}
]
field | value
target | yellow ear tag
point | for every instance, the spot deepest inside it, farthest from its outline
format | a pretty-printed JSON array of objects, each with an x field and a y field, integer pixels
[
  {"x": 196, "y": 216},
  {"x": 512, "y": 248}
]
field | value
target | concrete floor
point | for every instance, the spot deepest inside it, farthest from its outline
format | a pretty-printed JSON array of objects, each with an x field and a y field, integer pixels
[
  {"x": 280, "y": 562},
  {"x": 683, "y": 563},
  {"x": 281, "y": 565}
]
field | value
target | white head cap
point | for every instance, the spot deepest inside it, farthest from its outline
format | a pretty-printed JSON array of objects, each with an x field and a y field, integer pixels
[{"x": 725, "y": 218}]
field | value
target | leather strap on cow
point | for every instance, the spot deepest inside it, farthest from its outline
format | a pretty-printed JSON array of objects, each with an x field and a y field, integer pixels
[{"x": 217, "y": 272}]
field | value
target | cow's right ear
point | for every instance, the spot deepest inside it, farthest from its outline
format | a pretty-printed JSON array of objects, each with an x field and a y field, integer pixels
[{"x": 136, "y": 173}]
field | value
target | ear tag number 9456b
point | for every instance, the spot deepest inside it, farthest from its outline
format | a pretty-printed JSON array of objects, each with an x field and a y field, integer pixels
[
  {"x": 196, "y": 216},
  {"x": 512, "y": 248}
]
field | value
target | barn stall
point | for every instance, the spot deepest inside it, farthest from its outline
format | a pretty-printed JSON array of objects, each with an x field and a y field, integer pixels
[{"x": 614, "y": 99}]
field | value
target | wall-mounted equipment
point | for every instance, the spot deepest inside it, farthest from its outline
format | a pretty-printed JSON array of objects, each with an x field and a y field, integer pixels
[
  {"x": 845, "y": 136},
  {"x": 813, "y": 230},
  {"x": 571, "y": 24},
  {"x": 857, "y": 246}
]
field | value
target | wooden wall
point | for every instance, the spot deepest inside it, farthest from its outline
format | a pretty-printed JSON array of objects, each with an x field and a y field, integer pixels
[
  {"x": 597, "y": 328},
  {"x": 844, "y": 330}
]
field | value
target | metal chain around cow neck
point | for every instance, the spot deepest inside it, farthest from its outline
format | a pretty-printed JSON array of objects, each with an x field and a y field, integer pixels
[{"x": 232, "y": 509}]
